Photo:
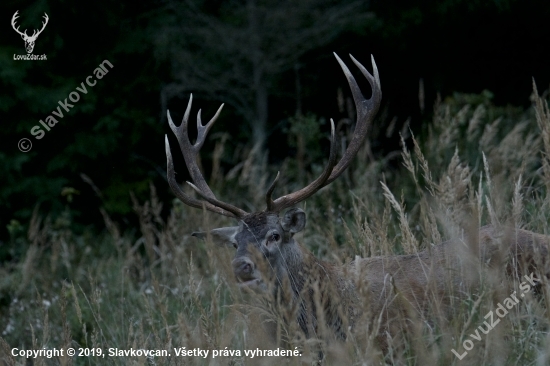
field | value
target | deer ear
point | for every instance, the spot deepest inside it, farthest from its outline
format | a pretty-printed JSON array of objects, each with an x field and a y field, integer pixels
[
  {"x": 294, "y": 220},
  {"x": 221, "y": 236}
]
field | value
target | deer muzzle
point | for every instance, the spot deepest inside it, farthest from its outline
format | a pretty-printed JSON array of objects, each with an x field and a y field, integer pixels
[{"x": 245, "y": 271}]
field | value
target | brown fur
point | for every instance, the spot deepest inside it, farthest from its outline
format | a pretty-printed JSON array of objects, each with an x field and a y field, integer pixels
[{"x": 393, "y": 284}]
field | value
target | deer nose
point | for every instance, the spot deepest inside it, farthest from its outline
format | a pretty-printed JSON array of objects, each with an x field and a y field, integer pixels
[
  {"x": 243, "y": 268},
  {"x": 246, "y": 268}
]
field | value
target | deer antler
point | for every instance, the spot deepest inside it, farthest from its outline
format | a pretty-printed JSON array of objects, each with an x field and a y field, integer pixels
[
  {"x": 366, "y": 110},
  {"x": 35, "y": 33},
  {"x": 43, "y": 26},
  {"x": 13, "y": 19},
  {"x": 190, "y": 153}
]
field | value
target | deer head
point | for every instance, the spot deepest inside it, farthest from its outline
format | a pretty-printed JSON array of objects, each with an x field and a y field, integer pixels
[
  {"x": 267, "y": 234},
  {"x": 29, "y": 40}
]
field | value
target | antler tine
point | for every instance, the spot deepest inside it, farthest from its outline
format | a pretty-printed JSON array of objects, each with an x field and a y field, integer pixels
[
  {"x": 203, "y": 130},
  {"x": 298, "y": 196},
  {"x": 366, "y": 110},
  {"x": 237, "y": 212},
  {"x": 185, "y": 119},
  {"x": 46, "y": 19},
  {"x": 373, "y": 81},
  {"x": 268, "y": 199}
]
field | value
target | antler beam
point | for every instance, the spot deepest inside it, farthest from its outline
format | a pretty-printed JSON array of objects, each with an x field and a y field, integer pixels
[{"x": 366, "y": 110}]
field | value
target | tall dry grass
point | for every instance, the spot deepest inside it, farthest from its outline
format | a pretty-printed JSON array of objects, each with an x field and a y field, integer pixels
[{"x": 159, "y": 288}]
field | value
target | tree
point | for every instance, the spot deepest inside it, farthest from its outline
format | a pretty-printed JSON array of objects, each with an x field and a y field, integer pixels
[{"x": 234, "y": 52}]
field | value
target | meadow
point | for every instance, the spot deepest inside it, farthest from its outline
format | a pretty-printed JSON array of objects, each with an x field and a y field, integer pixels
[{"x": 159, "y": 288}]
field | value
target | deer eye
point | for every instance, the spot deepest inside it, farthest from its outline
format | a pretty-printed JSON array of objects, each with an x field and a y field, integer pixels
[
  {"x": 235, "y": 245},
  {"x": 275, "y": 237}
]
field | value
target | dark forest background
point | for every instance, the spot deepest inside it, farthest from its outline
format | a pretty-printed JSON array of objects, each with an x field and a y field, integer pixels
[{"x": 270, "y": 62}]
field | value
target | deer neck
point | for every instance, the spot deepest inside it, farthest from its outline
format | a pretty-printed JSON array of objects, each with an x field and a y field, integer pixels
[
  {"x": 318, "y": 284},
  {"x": 303, "y": 269}
]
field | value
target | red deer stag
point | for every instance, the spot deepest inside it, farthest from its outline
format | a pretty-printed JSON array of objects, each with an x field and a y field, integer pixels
[{"x": 322, "y": 290}]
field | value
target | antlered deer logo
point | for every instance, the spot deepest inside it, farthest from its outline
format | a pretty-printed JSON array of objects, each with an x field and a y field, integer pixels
[{"x": 29, "y": 40}]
